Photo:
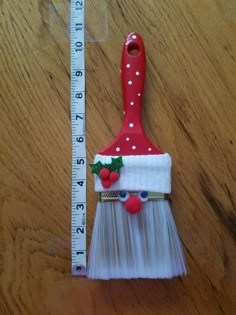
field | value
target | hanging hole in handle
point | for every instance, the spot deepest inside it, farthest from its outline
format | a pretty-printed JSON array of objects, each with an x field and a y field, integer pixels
[{"x": 133, "y": 49}]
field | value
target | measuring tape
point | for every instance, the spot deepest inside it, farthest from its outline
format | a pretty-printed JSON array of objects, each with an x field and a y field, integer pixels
[{"x": 78, "y": 211}]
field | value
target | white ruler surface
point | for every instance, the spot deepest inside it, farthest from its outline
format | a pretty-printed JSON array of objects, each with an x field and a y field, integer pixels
[{"x": 78, "y": 211}]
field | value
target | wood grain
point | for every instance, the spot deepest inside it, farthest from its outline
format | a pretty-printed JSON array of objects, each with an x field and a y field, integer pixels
[{"x": 189, "y": 111}]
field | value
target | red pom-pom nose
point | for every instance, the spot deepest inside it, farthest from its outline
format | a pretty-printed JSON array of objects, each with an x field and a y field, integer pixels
[{"x": 133, "y": 204}]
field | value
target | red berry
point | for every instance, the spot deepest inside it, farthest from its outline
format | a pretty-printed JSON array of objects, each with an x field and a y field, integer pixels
[
  {"x": 133, "y": 204},
  {"x": 106, "y": 183},
  {"x": 114, "y": 176},
  {"x": 104, "y": 173}
]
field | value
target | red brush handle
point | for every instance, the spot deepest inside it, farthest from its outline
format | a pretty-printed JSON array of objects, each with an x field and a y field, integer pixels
[
  {"x": 133, "y": 71},
  {"x": 132, "y": 139}
]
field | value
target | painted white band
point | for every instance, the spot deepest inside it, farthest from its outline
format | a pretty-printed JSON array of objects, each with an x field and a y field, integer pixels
[{"x": 140, "y": 172}]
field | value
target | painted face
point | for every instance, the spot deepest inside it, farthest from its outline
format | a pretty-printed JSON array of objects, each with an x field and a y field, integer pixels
[{"x": 133, "y": 203}]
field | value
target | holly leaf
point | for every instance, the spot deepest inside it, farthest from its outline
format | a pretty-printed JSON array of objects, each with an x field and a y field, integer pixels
[
  {"x": 96, "y": 167},
  {"x": 116, "y": 164},
  {"x": 106, "y": 165}
]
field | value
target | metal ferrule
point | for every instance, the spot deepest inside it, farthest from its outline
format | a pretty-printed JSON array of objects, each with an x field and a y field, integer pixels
[{"x": 114, "y": 196}]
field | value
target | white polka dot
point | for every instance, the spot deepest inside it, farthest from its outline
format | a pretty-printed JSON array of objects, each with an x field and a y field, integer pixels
[
  {"x": 134, "y": 36},
  {"x": 149, "y": 149},
  {"x": 130, "y": 82},
  {"x": 131, "y": 125},
  {"x": 139, "y": 94},
  {"x": 128, "y": 65},
  {"x": 124, "y": 113},
  {"x": 133, "y": 147},
  {"x": 137, "y": 73},
  {"x": 131, "y": 103},
  {"x": 117, "y": 149},
  {"x": 127, "y": 139}
]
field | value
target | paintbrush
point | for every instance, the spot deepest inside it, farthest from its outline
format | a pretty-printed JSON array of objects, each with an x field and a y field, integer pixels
[{"x": 134, "y": 233}]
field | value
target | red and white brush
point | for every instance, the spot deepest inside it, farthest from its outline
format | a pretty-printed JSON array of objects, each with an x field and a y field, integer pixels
[{"x": 134, "y": 234}]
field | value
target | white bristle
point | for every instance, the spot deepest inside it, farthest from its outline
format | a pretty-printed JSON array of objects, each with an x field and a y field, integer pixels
[{"x": 143, "y": 245}]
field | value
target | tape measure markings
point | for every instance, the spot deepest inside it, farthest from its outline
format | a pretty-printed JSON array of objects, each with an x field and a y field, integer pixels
[{"x": 78, "y": 210}]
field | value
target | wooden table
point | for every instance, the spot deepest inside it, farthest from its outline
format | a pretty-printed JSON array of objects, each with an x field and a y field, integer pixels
[{"x": 189, "y": 111}]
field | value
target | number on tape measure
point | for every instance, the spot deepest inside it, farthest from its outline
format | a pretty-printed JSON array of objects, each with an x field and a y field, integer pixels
[
  {"x": 78, "y": 26},
  {"x": 81, "y": 183},
  {"x": 80, "y": 139},
  {"x": 80, "y": 161},
  {"x": 79, "y": 73},
  {"x": 79, "y": 95},
  {"x": 80, "y": 206},
  {"x": 80, "y": 230},
  {"x": 78, "y": 117},
  {"x": 78, "y": 5},
  {"x": 78, "y": 46}
]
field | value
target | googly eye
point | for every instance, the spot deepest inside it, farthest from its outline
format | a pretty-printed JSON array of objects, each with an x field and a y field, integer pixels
[
  {"x": 143, "y": 195},
  {"x": 123, "y": 195}
]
